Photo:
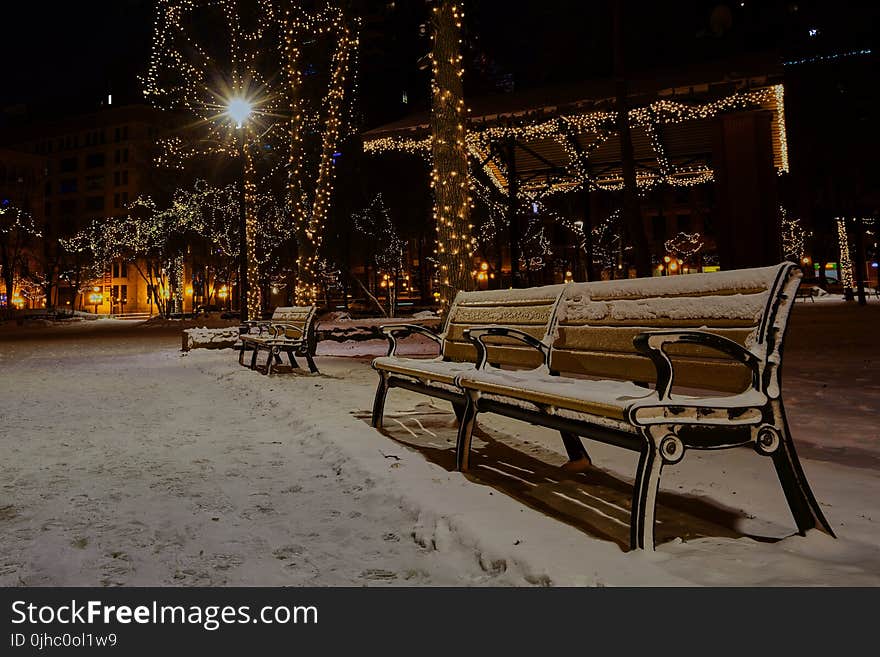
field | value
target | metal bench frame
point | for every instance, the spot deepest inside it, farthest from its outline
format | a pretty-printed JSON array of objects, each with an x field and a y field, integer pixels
[
  {"x": 663, "y": 441},
  {"x": 388, "y": 380},
  {"x": 274, "y": 339}
]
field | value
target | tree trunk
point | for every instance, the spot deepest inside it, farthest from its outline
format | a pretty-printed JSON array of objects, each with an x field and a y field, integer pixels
[
  {"x": 449, "y": 177},
  {"x": 7, "y": 274},
  {"x": 632, "y": 217},
  {"x": 859, "y": 264}
]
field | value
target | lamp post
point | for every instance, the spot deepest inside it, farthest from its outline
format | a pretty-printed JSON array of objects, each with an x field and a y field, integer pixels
[{"x": 240, "y": 110}]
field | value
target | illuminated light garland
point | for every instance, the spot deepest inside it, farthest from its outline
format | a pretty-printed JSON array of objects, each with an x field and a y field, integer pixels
[
  {"x": 375, "y": 223},
  {"x": 779, "y": 94},
  {"x": 17, "y": 228},
  {"x": 310, "y": 218},
  {"x": 145, "y": 234},
  {"x": 827, "y": 58},
  {"x": 846, "y": 265},
  {"x": 186, "y": 75},
  {"x": 449, "y": 173},
  {"x": 791, "y": 236},
  {"x": 684, "y": 245},
  {"x": 203, "y": 79},
  {"x": 564, "y": 130},
  {"x": 252, "y": 227}
]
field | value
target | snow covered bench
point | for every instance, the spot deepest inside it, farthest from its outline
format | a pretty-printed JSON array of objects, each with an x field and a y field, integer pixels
[
  {"x": 529, "y": 312},
  {"x": 291, "y": 330},
  {"x": 720, "y": 335}
]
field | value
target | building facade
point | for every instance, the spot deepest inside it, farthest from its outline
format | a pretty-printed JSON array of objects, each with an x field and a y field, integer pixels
[{"x": 93, "y": 166}]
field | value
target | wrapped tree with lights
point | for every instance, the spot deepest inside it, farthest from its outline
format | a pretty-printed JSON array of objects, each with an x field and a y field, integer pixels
[
  {"x": 449, "y": 177},
  {"x": 791, "y": 236},
  {"x": 310, "y": 188},
  {"x": 216, "y": 60},
  {"x": 17, "y": 232},
  {"x": 219, "y": 61},
  {"x": 388, "y": 248}
]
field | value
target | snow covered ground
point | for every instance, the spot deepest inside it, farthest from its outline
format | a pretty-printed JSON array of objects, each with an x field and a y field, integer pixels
[{"x": 129, "y": 463}]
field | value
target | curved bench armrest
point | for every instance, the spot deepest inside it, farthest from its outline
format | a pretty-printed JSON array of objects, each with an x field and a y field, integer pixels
[
  {"x": 477, "y": 335},
  {"x": 279, "y": 330},
  {"x": 653, "y": 345},
  {"x": 259, "y": 324},
  {"x": 395, "y": 331}
]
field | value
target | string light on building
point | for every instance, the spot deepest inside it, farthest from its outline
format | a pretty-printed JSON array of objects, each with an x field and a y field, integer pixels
[{"x": 580, "y": 135}]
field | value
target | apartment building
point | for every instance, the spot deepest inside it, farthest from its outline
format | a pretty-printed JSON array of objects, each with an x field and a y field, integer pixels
[{"x": 93, "y": 166}]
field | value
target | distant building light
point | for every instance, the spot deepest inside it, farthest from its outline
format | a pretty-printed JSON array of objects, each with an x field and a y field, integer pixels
[
  {"x": 813, "y": 31},
  {"x": 109, "y": 99},
  {"x": 404, "y": 98},
  {"x": 828, "y": 58},
  {"x": 874, "y": 265},
  {"x": 534, "y": 207}
]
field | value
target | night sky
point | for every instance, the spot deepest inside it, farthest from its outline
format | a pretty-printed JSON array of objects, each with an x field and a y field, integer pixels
[
  {"x": 66, "y": 57},
  {"x": 71, "y": 54}
]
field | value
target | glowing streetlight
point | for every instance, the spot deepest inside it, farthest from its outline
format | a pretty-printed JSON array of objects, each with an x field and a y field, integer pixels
[{"x": 239, "y": 110}]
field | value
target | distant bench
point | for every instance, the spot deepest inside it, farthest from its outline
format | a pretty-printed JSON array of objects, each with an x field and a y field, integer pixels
[
  {"x": 720, "y": 334},
  {"x": 291, "y": 331},
  {"x": 806, "y": 291},
  {"x": 528, "y": 311}
]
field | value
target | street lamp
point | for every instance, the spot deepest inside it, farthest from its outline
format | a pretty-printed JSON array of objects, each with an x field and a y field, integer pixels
[{"x": 240, "y": 110}]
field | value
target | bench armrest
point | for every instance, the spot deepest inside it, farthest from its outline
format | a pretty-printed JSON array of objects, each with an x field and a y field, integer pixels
[
  {"x": 653, "y": 345},
  {"x": 477, "y": 335},
  {"x": 395, "y": 331},
  {"x": 259, "y": 324},
  {"x": 280, "y": 330}
]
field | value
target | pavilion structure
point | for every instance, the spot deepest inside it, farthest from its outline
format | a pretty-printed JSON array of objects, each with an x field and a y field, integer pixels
[{"x": 725, "y": 138}]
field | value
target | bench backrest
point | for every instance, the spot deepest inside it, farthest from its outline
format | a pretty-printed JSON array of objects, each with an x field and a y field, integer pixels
[
  {"x": 292, "y": 314},
  {"x": 302, "y": 317},
  {"x": 531, "y": 310},
  {"x": 596, "y": 323}
]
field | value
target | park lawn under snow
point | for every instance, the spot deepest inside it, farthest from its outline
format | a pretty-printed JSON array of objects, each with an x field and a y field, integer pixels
[{"x": 129, "y": 463}]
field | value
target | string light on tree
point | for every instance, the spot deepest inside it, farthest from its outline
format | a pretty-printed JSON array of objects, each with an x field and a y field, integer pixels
[
  {"x": 449, "y": 175},
  {"x": 310, "y": 214},
  {"x": 846, "y": 265},
  {"x": 792, "y": 236}
]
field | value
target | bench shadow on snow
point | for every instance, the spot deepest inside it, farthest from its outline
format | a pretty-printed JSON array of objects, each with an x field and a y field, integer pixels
[{"x": 597, "y": 502}]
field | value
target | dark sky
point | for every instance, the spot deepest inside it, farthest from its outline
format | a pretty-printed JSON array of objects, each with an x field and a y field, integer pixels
[
  {"x": 67, "y": 56},
  {"x": 73, "y": 53}
]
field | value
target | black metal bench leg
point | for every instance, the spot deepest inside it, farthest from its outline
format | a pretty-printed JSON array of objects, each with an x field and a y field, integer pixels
[
  {"x": 311, "y": 361},
  {"x": 241, "y": 356},
  {"x": 379, "y": 401},
  {"x": 465, "y": 434},
  {"x": 574, "y": 447},
  {"x": 458, "y": 409},
  {"x": 292, "y": 360},
  {"x": 645, "y": 498},
  {"x": 271, "y": 357},
  {"x": 254, "y": 357},
  {"x": 800, "y": 498}
]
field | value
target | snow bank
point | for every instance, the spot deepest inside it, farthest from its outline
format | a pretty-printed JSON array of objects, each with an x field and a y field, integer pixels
[{"x": 209, "y": 338}]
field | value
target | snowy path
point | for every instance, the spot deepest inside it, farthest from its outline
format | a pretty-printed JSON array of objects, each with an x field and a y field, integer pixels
[
  {"x": 126, "y": 468},
  {"x": 127, "y": 463}
]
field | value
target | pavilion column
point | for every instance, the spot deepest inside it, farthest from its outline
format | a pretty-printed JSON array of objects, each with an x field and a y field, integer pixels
[{"x": 746, "y": 191}]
